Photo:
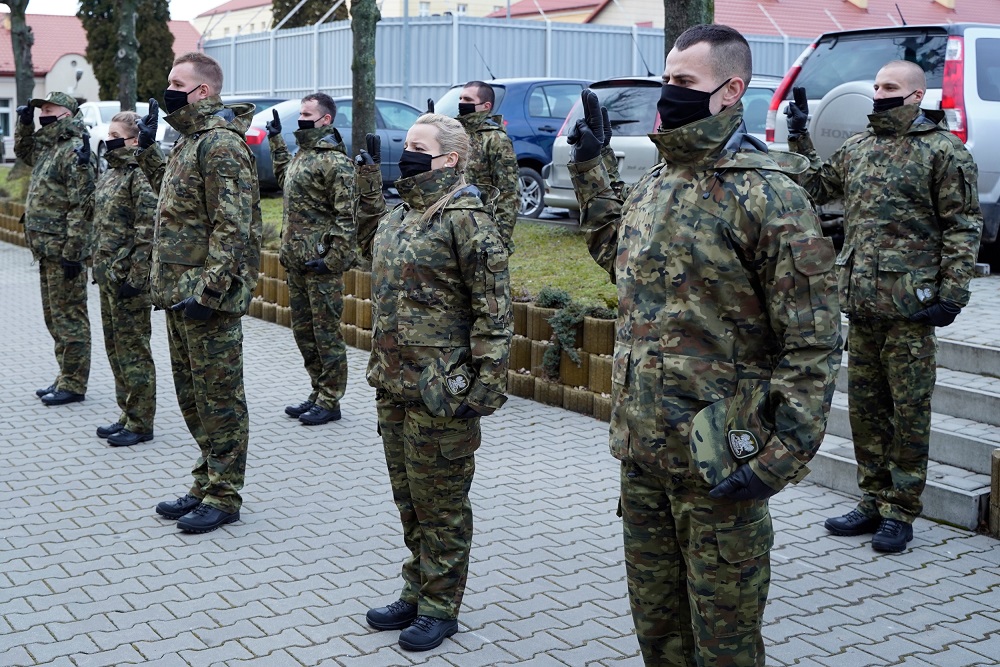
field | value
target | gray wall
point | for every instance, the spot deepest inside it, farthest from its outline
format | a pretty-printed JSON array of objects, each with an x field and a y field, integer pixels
[{"x": 423, "y": 57}]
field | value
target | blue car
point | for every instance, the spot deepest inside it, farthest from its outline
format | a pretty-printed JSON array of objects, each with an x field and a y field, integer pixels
[{"x": 533, "y": 111}]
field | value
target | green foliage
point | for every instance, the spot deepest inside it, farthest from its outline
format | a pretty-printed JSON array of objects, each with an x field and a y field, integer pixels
[
  {"x": 156, "y": 45},
  {"x": 520, "y": 295},
  {"x": 552, "y": 297},
  {"x": 310, "y": 13},
  {"x": 557, "y": 255},
  {"x": 14, "y": 185},
  {"x": 602, "y": 313}
]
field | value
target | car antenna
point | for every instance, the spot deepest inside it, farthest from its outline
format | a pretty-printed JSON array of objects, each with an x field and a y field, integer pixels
[
  {"x": 649, "y": 72},
  {"x": 485, "y": 64},
  {"x": 900, "y": 14}
]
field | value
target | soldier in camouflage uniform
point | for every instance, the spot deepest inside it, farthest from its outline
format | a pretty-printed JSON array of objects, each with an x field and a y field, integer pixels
[
  {"x": 124, "y": 208},
  {"x": 912, "y": 226},
  {"x": 439, "y": 360},
  {"x": 727, "y": 305},
  {"x": 317, "y": 246},
  {"x": 206, "y": 259},
  {"x": 57, "y": 224},
  {"x": 492, "y": 161}
]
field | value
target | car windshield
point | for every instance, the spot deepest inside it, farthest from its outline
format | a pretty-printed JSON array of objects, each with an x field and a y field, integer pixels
[
  {"x": 448, "y": 104},
  {"x": 838, "y": 59},
  {"x": 631, "y": 108}
]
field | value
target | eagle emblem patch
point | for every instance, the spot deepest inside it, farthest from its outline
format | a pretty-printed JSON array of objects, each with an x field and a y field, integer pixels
[
  {"x": 743, "y": 444},
  {"x": 457, "y": 384}
]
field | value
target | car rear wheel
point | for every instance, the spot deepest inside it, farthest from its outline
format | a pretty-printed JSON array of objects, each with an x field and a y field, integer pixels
[{"x": 532, "y": 201}]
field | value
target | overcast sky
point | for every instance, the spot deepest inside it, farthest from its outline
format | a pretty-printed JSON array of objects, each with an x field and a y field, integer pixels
[{"x": 184, "y": 10}]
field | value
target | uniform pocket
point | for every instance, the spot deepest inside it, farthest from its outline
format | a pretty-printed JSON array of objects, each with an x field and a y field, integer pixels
[
  {"x": 816, "y": 307},
  {"x": 225, "y": 340},
  {"x": 909, "y": 279},
  {"x": 455, "y": 438}
]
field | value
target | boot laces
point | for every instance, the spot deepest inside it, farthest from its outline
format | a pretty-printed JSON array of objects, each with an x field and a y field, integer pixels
[
  {"x": 891, "y": 527},
  {"x": 424, "y": 623},
  {"x": 201, "y": 510},
  {"x": 398, "y": 606}
]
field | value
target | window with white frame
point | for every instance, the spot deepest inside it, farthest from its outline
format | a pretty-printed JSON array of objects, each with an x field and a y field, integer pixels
[{"x": 424, "y": 9}]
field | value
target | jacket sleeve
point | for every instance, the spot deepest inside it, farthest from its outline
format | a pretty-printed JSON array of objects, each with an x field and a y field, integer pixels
[
  {"x": 823, "y": 181},
  {"x": 80, "y": 211},
  {"x": 144, "y": 209},
  {"x": 794, "y": 267},
  {"x": 228, "y": 173},
  {"x": 600, "y": 210},
  {"x": 961, "y": 221},
  {"x": 506, "y": 178},
  {"x": 24, "y": 142},
  {"x": 482, "y": 260},
  {"x": 153, "y": 165},
  {"x": 369, "y": 205},
  {"x": 341, "y": 238},
  {"x": 280, "y": 157}
]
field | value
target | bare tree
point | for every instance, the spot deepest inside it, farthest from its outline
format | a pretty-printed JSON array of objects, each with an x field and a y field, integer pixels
[
  {"x": 679, "y": 15},
  {"x": 21, "y": 41},
  {"x": 127, "y": 55},
  {"x": 364, "y": 17}
]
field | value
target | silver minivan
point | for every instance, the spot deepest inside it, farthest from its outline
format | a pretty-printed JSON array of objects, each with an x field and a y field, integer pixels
[{"x": 631, "y": 104}]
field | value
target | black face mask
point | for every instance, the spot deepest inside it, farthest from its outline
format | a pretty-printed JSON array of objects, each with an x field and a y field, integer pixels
[
  {"x": 176, "y": 99},
  {"x": 412, "y": 163},
  {"x": 679, "y": 106},
  {"x": 306, "y": 124},
  {"x": 887, "y": 103},
  {"x": 114, "y": 144},
  {"x": 47, "y": 120},
  {"x": 465, "y": 108}
]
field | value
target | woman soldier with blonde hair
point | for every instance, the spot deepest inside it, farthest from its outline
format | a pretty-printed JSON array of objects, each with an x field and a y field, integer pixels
[{"x": 442, "y": 329}]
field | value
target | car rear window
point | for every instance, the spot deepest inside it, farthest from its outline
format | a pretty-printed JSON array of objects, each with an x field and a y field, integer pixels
[
  {"x": 448, "y": 104},
  {"x": 631, "y": 108},
  {"x": 838, "y": 59},
  {"x": 988, "y": 69}
]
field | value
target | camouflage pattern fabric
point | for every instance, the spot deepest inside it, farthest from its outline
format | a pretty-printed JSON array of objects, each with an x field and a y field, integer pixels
[
  {"x": 725, "y": 284},
  {"x": 127, "y": 328},
  {"x": 317, "y": 304},
  {"x": 207, "y": 245},
  {"x": 891, "y": 377},
  {"x": 492, "y": 162},
  {"x": 431, "y": 465},
  {"x": 443, "y": 324},
  {"x": 207, "y": 363},
  {"x": 57, "y": 224}
]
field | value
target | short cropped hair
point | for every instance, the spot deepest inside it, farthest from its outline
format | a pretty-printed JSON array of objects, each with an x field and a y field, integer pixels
[
  {"x": 129, "y": 120},
  {"x": 324, "y": 102},
  {"x": 484, "y": 91},
  {"x": 912, "y": 72},
  {"x": 206, "y": 67},
  {"x": 730, "y": 51}
]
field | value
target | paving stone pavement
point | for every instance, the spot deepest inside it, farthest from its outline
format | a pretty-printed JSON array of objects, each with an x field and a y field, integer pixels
[{"x": 89, "y": 575}]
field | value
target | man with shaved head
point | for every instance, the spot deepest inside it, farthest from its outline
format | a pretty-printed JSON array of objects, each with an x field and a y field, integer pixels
[{"x": 912, "y": 225}]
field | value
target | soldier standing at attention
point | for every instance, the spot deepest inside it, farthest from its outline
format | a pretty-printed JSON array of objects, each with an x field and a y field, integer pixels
[
  {"x": 727, "y": 314},
  {"x": 57, "y": 225},
  {"x": 912, "y": 226},
  {"x": 492, "y": 160},
  {"x": 440, "y": 347},
  {"x": 124, "y": 208},
  {"x": 317, "y": 246},
  {"x": 206, "y": 258}
]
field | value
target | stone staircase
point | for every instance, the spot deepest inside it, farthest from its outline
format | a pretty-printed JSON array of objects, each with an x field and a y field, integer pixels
[{"x": 965, "y": 429}]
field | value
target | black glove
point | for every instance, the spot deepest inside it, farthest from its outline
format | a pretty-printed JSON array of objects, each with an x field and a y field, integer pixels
[
  {"x": 318, "y": 266},
  {"x": 430, "y": 105},
  {"x": 148, "y": 125},
  {"x": 587, "y": 135},
  {"x": 940, "y": 314},
  {"x": 798, "y": 113},
  {"x": 466, "y": 412},
  {"x": 374, "y": 153},
  {"x": 83, "y": 152},
  {"x": 273, "y": 127},
  {"x": 743, "y": 484},
  {"x": 70, "y": 269},
  {"x": 26, "y": 114},
  {"x": 127, "y": 291},
  {"x": 336, "y": 135},
  {"x": 607, "y": 126},
  {"x": 192, "y": 309}
]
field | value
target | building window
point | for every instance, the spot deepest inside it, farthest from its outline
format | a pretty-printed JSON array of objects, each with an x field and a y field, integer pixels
[
  {"x": 5, "y": 109},
  {"x": 225, "y": 32},
  {"x": 462, "y": 9},
  {"x": 497, "y": 8},
  {"x": 425, "y": 9}
]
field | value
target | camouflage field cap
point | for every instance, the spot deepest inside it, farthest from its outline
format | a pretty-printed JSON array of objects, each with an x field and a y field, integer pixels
[
  {"x": 62, "y": 99},
  {"x": 716, "y": 449}
]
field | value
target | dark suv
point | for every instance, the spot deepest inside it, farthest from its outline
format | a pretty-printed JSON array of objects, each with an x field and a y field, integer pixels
[{"x": 533, "y": 110}]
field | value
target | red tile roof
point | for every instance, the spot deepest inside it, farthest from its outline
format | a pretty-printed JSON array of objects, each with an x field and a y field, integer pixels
[
  {"x": 235, "y": 5},
  {"x": 529, "y": 8},
  {"x": 56, "y": 36}
]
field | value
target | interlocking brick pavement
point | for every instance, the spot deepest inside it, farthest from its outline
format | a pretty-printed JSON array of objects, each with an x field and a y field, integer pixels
[{"x": 89, "y": 575}]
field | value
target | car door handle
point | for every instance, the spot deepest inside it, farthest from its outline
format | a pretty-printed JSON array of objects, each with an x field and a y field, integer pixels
[
  {"x": 548, "y": 128},
  {"x": 397, "y": 139}
]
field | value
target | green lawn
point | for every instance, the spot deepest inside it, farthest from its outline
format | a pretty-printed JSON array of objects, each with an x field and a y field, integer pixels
[
  {"x": 557, "y": 256},
  {"x": 16, "y": 189}
]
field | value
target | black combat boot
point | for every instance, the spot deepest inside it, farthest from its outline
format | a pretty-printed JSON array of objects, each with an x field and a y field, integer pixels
[
  {"x": 300, "y": 409},
  {"x": 319, "y": 415},
  {"x": 853, "y": 523},
  {"x": 396, "y": 616},
  {"x": 427, "y": 632},
  {"x": 175, "y": 509},
  {"x": 892, "y": 536}
]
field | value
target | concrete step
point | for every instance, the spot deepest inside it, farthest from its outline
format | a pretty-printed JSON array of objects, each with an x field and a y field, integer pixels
[
  {"x": 954, "y": 441},
  {"x": 952, "y": 495}
]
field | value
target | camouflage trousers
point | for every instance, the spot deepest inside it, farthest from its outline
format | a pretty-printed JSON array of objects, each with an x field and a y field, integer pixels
[
  {"x": 891, "y": 376},
  {"x": 207, "y": 363},
  {"x": 127, "y": 329},
  {"x": 64, "y": 307},
  {"x": 317, "y": 303},
  {"x": 431, "y": 464},
  {"x": 698, "y": 571}
]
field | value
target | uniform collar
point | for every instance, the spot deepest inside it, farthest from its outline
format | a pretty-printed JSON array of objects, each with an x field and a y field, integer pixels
[
  {"x": 420, "y": 191},
  {"x": 894, "y": 121},
  {"x": 700, "y": 142}
]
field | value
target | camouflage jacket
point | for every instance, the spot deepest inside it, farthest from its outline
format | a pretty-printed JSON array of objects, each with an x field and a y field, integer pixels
[
  {"x": 319, "y": 200},
  {"x": 59, "y": 208},
  {"x": 726, "y": 288},
  {"x": 492, "y": 162},
  {"x": 124, "y": 210},
  {"x": 443, "y": 319},
  {"x": 911, "y": 213},
  {"x": 208, "y": 223}
]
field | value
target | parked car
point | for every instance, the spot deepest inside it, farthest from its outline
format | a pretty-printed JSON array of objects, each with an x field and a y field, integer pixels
[
  {"x": 392, "y": 119},
  {"x": 533, "y": 111},
  {"x": 170, "y": 136},
  {"x": 631, "y": 104},
  {"x": 97, "y": 117},
  {"x": 962, "y": 64}
]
